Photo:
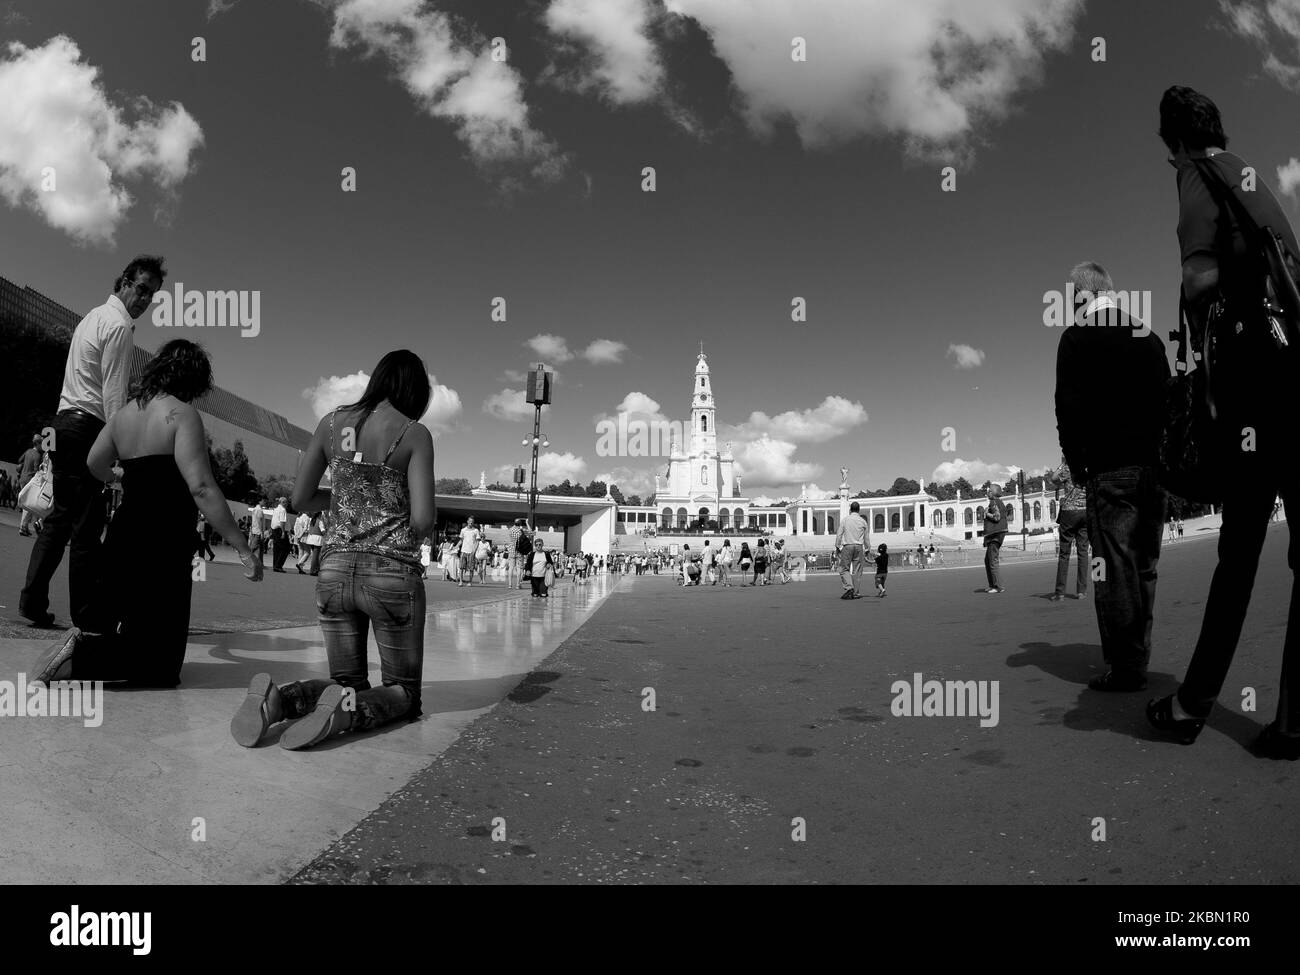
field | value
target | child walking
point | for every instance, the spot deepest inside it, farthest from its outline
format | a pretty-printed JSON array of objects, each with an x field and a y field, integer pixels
[{"x": 882, "y": 568}]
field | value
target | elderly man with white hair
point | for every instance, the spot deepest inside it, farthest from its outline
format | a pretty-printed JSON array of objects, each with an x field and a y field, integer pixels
[{"x": 1111, "y": 376}]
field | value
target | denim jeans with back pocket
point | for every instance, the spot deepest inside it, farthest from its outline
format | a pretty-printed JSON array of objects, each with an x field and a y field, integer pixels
[
  {"x": 1126, "y": 517},
  {"x": 354, "y": 592}
]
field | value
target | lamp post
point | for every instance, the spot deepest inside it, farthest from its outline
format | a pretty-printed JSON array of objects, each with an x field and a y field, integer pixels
[
  {"x": 1024, "y": 526},
  {"x": 539, "y": 394}
]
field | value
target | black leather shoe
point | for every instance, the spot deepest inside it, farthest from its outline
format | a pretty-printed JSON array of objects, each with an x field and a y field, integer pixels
[
  {"x": 1118, "y": 681},
  {"x": 1272, "y": 743},
  {"x": 44, "y": 620},
  {"x": 1161, "y": 715}
]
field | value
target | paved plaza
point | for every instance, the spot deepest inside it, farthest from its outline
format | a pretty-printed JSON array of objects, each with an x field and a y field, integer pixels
[{"x": 537, "y": 760}]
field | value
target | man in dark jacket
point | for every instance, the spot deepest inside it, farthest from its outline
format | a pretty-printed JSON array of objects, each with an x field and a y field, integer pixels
[
  {"x": 1111, "y": 377},
  {"x": 995, "y": 530}
]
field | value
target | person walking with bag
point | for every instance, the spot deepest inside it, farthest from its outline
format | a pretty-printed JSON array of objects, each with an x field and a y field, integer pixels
[
  {"x": 1237, "y": 250},
  {"x": 28, "y": 465},
  {"x": 995, "y": 531}
]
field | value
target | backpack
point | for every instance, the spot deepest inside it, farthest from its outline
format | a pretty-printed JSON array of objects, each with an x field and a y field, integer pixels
[{"x": 524, "y": 545}]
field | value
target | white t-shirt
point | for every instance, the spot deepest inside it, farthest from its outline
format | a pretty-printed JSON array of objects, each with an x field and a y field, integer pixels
[{"x": 468, "y": 541}]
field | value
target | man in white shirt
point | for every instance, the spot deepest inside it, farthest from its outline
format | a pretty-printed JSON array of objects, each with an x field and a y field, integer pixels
[
  {"x": 469, "y": 539},
  {"x": 94, "y": 388},
  {"x": 853, "y": 541},
  {"x": 279, "y": 535},
  {"x": 256, "y": 535},
  {"x": 300, "y": 528}
]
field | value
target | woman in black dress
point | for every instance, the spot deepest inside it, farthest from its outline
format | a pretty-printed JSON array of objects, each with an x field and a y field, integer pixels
[{"x": 142, "y": 616}]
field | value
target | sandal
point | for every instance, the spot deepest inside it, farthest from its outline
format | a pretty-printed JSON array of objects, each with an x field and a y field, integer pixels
[{"x": 1161, "y": 715}]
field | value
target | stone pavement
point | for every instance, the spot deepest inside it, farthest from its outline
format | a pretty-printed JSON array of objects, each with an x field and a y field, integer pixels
[{"x": 774, "y": 714}]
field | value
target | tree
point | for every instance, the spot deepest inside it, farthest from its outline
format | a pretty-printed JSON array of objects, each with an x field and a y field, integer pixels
[
  {"x": 650, "y": 501},
  {"x": 453, "y": 485},
  {"x": 232, "y": 472},
  {"x": 275, "y": 486},
  {"x": 596, "y": 489},
  {"x": 498, "y": 486},
  {"x": 964, "y": 486},
  {"x": 861, "y": 494},
  {"x": 634, "y": 500},
  {"x": 616, "y": 494},
  {"x": 903, "y": 486}
]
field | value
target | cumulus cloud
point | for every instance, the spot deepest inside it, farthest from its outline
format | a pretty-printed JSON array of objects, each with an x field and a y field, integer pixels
[
  {"x": 966, "y": 357},
  {"x": 604, "y": 351},
  {"x": 819, "y": 494},
  {"x": 452, "y": 79},
  {"x": 926, "y": 70},
  {"x": 975, "y": 471},
  {"x": 834, "y": 417},
  {"x": 549, "y": 348},
  {"x": 611, "y": 44},
  {"x": 327, "y": 394},
  {"x": 552, "y": 468},
  {"x": 1288, "y": 177},
  {"x": 509, "y": 404},
  {"x": 770, "y": 463},
  {"x": 630, "y": 480},
  {"x": 56, "y": 120},
  {"x": 640, "y": 405},
  {"x": 1274, "y": 25}
]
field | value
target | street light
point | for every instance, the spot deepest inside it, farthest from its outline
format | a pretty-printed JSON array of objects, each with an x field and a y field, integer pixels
[{"x": 539, "y": 394}]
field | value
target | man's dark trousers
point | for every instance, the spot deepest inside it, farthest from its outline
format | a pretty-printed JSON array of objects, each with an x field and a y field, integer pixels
[
  {"x": 1074, "y": 534},
  {"x": 78, "y": 515},
  {"x": 279, "y": 547},
  {"x": 1246, "y": 516},
  {"x": 1126, "y": 514}
]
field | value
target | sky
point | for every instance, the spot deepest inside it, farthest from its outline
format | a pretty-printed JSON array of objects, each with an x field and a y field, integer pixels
[{"x": 500, "y": 148}]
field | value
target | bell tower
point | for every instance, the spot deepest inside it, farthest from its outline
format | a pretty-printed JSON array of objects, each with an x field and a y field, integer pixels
[{"x": 704, "y": 429}]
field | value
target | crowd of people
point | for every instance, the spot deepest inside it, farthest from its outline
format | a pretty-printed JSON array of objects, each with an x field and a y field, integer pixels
[{"x": 368, "y": 539}]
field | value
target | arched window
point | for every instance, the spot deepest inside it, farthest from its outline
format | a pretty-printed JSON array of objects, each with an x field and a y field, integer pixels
[
  {"x": 878, "y": 522},
  {"x": 1011, "y": 514},
  {"x": 704, "y": 516},
  {"x": 704, "y": 473},
  {"x": 950, "y": 517},
  {"x": 1051, "y": 509},
  {"x": 893, "y": 522},
  {"x": 724, "y": 517},
  {"x": 704, "y": 423},
  {"x": 979, "y": 514},
  {"x": 968, "y": 518},
  {"x": 667, "y": 516},
  {"x": 739, "y": 515},
  {"x": 830, "y": 525},
  {"x": 1038, "y": 511},
  {"x": 701, "y": 382},
  {"x": 1026, "y": 507},
  {"x": 681, "y": 517},
  {"x": 911, "y": 520}
]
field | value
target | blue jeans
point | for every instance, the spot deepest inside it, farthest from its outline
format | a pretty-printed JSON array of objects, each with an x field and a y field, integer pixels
[
  {"x": 357, "y": 590},
  {"x": 1126, "y": 517},
  {"x": 1074, "y": 534}
]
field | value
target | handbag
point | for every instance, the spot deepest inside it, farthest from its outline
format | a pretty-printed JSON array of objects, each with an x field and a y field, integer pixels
[
  {"x": 549, "y": 578},
  {"x": 1190, "y": 465},
  {"x": 37, "y": 495}
]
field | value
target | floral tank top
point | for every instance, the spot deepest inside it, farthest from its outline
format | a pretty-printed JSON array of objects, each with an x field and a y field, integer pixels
[{"x": 370, "y": 508}]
